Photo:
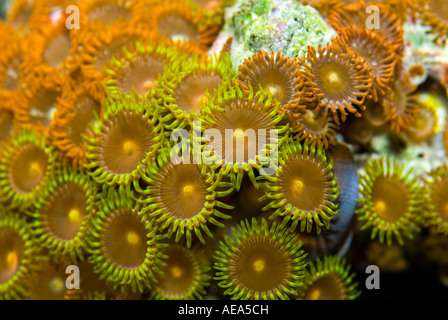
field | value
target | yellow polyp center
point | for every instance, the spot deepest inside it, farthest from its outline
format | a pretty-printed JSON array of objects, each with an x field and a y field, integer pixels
[
  {"x": 309, "y": 117},
  {"x": 202, "y": 99},
  {"x": 380, "y": 207},
  {"x": 176, "y": 272},
  {"x": 74, "y": 216},
  {"x": 238, "y": 133},
  {"x": 259, "y": 265},
  {"x": 297, "y": 186},
  {"x": 148, "y": 85},
  {"x": 57, "y": 284},
  {"x": 132, "y": 238},
  {"x": 334, "y": 78},
  {"x": 129, "y": 147},
  {"x": 425, "y": 123},
  {"x": 34, "y": 168},
  {"x": 315, "y": 294},
  {"x": 12, "y": 259},
  {"x": 420, "y": 123},
  {"x": 274, "y": 90},
  {"x": 315, "y": 121},
  {"x": 390, "y": 198},
  {"x": 188, "y": 190}
]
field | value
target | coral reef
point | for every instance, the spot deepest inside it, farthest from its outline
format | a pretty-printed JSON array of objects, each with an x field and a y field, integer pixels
[
  {"x": 222, "y": 149},
  {"x": 287, "y": 27}
]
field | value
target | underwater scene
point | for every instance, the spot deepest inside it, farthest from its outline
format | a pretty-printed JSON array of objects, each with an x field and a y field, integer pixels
[{"x": 223, "y": 149}]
